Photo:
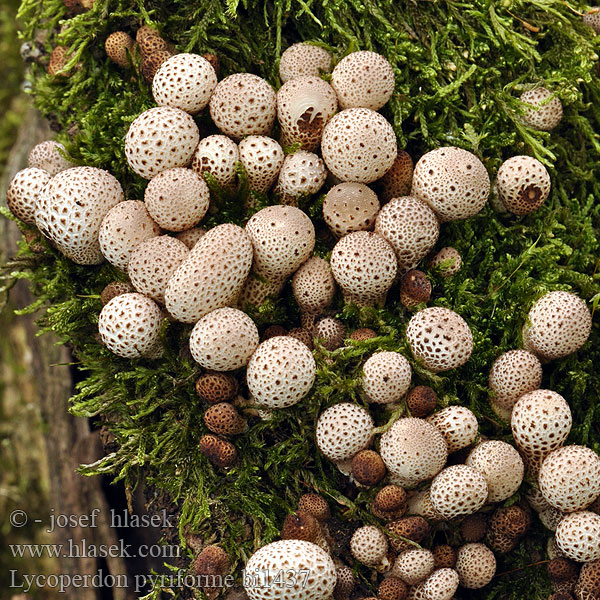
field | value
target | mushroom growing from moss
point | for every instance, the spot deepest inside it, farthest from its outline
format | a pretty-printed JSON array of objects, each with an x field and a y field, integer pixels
[
  {"x": 369, "y": 546},
  {"x": 49, "y": 157},
  {"x": 262, "y": 158},
  {"x": 545, "y": 112},
  {"x": 350, "y": 207},
  {"x": 303, "y": 60},
  {"x": 578, "y": 536},
  {"x": 458, "y": 490},
  {"x": 475, "y": 565},
  {"x": 217, "y": 155},
  {"x": 23, "y": 191},
  {"x": 386, "y": 377}
]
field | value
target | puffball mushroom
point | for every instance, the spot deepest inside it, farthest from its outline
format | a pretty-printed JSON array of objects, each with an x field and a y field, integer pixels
[
  {"x": 160, "y": 138},
  {"x": 280, "y": 372},
  {"x": 413, "y": 450},
  {"x": 263, "y": 573},
  {"x": 130, "y": 326},
  {"x": 578, "y": 536},
  {"x": 190, "y": 237},
  {"x": 452, "y": 181},
  {"x": 124, "y": 227},
  {"x": 369, "y": 546},
  {"x": 522, "y": 184},
  {"x": 413, "y": 529},
  {"x": 457, "y": 424},
  {"x": 458, "y": 490},
  {"x": 389, "y": 502},
  {"x": 358, "y": 145},
  {"x": 441, "y": 585},
  {"x": 502, "y": 467},
  {"x": 262, "y": 158},
  {"x": 120, "y": 47},
  {"x": 217, "y": 155},
  {"x": 184, "y": 81},
  {"x": 386, "y": 377},
  {"x": 350, "y": 207},
  {"x": 177, "y": 199},
  {"x": 70, "y": 210},
  {"x": 545, "y": 112},
  {"x": 364, "y": 266},
  {"x": 368, "y": 468},
  {"x": 48, "y": 156},
  {"x": 475, "y": 565},
  {"x": 212, "y": 276},
  {"x": 343, "y": 430},
  {"x": 363, "y": 79},
  {"x": 558, "y": 324},
  {"x": 23, "y": 191},
  {"x": 302, "y": 174},
  {"x": 569, "y": 478},
  {"x": 314, "y": 286},
  {"x": 513, "y": 374},
  {"x": 392, "y": 588},
  {"x": 303, "y": 60},
  {"x": 243, "y": 104},
  {"x": 592, "y": 19},
  {"x": 224, "y": 339},
  {"x": 541, "y": 421},
  {"x": 397, "y": 181},
  {"x": 439, "y": 338},
  {"x": 447, "y": 261},
  {"x": 330, "y": 332},
  {"x": 304, "y": 106},
  {"x": 413, "y": 566},
  {"x": 410, "y": 227}
]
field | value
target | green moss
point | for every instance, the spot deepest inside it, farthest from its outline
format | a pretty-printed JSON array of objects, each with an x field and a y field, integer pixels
[{"x": 460, "y": 67}]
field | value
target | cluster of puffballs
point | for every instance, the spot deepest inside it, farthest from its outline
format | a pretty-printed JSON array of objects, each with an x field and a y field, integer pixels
[{"x": 386, "y": 217}]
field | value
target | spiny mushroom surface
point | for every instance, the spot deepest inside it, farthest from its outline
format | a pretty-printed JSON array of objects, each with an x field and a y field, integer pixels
[
  {"x": 558, "y": 324},
  {"x": 125, "y": 226},
  {"x": 160, "y": 138},
  {"x": 546, "y": 111},
  {"x": 413, "y": 566},
  {"x": 392, "y": 588},
  {"x": 314, "y": 286},
  {"x": 23, "y": 191},
  {"x": 243, "y": 104},
  {"x": 501, "y": 465},
  {"x": 281, "y": 372},
  {"x": 413, "y": 529},
  {"x": 363, "y": 79},
  {"x": 513, "y": 374},
  {"x": 386, "y": 377},
  {"x": 213, "y": 388},
  {"x": 221, "y": 453},
  {"x": 364, "y": 266},
  {"x": 184, "y": 81},
  {"x": 458, "y": 490},
  {"x": 359, "y": 145},
  {"x": 389, "y": 502},
  {"x": 413, "y": 450},
  {"x": 369, "y": 546},
  {"x": 522, "y": 184},
  {"x": 212, "y": 275},
  {"x": 452, "y": 181},
  {"x": 130, "y": 326},
  {"x": 415, "y": 289},
  {"x": 262, "y": 158},
  {"x": 457, "y": 424},
  {"x": 217, "y": 155},
  {"x": 569, "y": 478},
  {"x": 303, "y": 60},
  {"x": 290, "y": 557},
  {"x": 224, "y": 339},
  {"x": 439, "y": 338},
  {"x": 47, "y": 156},
  {"x": 350, "y": 207},
  {"x": 578, "y": 536},
  {"x": 153, "y": 262},
  {"x": 475, "y": 565},
  {"x": 224, "y": 419},
  {"x": 343, "y": 430},
  {"x": 70, "y": 210}
]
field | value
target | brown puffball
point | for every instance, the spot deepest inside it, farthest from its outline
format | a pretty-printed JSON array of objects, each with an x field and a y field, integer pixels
[
  {"x": 421, "y": 401},
  {"x": 150, "y": 44},
  {"x": 119, "y": 47},
  {"x": 144, "y": 31},
  {"x": 415, "y": 288},
  {"x": 304, "y": 335},
  {"x": 412, "y": 528},
  {"x": 152, "y": 63},
  {"x": 345, "y": 583},
  {"x": 511, "y": 521},
  {"x": 213, "y": 388},
  {"x": 220, "y": 453},
  {"x": 58, "y": 59},
  {"x": 392, "y": 588},
  {"x": 213, "y": 59},
  {"x": 363, "y": 334},
  {"x": 473, "y": 528},
  {"x": 397, "y": 182},
  {"x": 444, "y": 556},
  {"x": 224, "y": 419},
  {"x": 368, "y": 467},
  {"x": 562, "y": 569},
  {"x": 114, "y": 289},
  {"x": 212, "y": 563},
  {"x": 389, "y": 502},
  {"x": 273, "y": 331},
  {"x": 300, "y": 526},
  {"x": 314, "y": 505}
]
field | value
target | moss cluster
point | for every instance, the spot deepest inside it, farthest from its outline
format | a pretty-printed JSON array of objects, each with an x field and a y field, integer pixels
[{"x": 460, "y": 67}]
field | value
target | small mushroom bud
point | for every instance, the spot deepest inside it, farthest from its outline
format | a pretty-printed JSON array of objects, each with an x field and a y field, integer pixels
[
  {"x": 143, "y": 31},
  {"x": 149, "y": 44},
  {"x": 58, "y": 60},
  {"x": 224, "y": 419},
  {"x": 330, "y": 332},
  {"x": 368, "y": 468},
  {"x": 219, "y": 452},
  {"x": 345, "y": 584},
  {"x": 415, "y": 529},
  {"x": 392, "y": 588},
  {"x": 562, "y": 569},
  {"x": 273, "y": 331},
  {"x": 300, "y": 526},
  {"x": 421, "y": 401},
  {"x": 152, "y": 62},
  {"x": 396, "y": 183},
  {"x": 216, "y": 387},
  {"x": 390, "y": 502},
  {"x": 314, "y": 505},
  {"x": 304, "y": 335},
  {"x": 363, "y": 334},
  {"x": 369, "y": 546},
  {"x": 113, "y": 289},
  {"x": 119, "y": 47},
  {"x": 444, "y": 556},
  {"x": 473, "y": 528},
  {"x": 447, "y": 261},
  {"x": 211, "y": 565},
  {"x": 512, "y": 521},
  {"x": 415, "y": 288}
]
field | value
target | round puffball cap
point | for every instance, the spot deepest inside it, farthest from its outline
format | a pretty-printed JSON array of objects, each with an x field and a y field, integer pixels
[
  {"x": 47, "y": 156},
  {"x": 545, "y": 113},
  {"x": 578, "y": 536},
  {"x": 262, "y": 158},
  {"x": 414, "y": 566},
  {"x": 457, "y": 424},
  {"x": 453, "y": 181},
  {"x": 160, "y": 138},
  {"x": 439, "y": 338},
  {"x": 23, "y": 191},
  {"x": 264, "y": 570},
  {"x": 358, "y": 145},
  {"x": 413, "y": 450},
  {"x": 441, "y": 585},
  {"x": 397, "y": 182},
  {"x": 303, "y": 60},
  {"x": 313, "y": 285},
  {"x": 350, "y": 207},
  {"x": 458, "y": 490},
  {"x": 343, "y": 430},
  {"x": 302, "y": 173},
  {"x": 386, "y": 377},
  {"x": 448, "y": 260},
  {"x": 475, "y": 565},
  {"x": 243, "y": 104},
  {"x": 130, "y": 326},
  {"x": 502, "y": 467},
  {"x": 224, "y": 340},
  {"x": 363, "y": 79},
  {"x": 558, "y": 324},
  {"x": 569, "y": 478},
  {"x": 184, "y": 81},
  {"x": 125, "y": 227},
  {"x": 281, "y": 372},
  {"x": 369, "y": 545},
  {"x": 217, "y": 155}
]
